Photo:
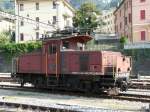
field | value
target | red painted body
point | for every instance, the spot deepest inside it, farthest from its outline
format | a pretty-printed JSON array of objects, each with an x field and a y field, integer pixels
[
  {"x": 30, "y": 63},
  {"x": 69, "y": 63}
]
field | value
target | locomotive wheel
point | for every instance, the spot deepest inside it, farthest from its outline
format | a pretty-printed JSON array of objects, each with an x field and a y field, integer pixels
[
  {"x": 124, "y": 86},
  {"x": 22, "y": 83},
  {"x": 95, "y": 87},
  {"x": 36, "y": 84},
  {"x": 113, "y": 91}
]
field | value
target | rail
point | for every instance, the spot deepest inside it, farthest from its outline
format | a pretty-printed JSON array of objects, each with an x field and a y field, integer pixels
[
  {"x": 121, "y": 96},
  {"x": 35, "y": 107}
]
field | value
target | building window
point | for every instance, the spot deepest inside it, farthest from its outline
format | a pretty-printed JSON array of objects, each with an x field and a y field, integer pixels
[
  {"x": 120, "y": 26},
  {"x": 116, "y": 28},
  {"x": 37, "y": 35},
  {"x": 127, "y": 4},
  {"x": 21, "y": 7},
  {"x": 130, "y": 3},
  {"x": 142, "y": 14},
  {"x": 22, "y": 23},
  {"x": 142, "y": 0},
  {"x": 143, "y": 35},
  {"x": 126, "y": 20},
  {"x": 37, "y": 19},
  {"x": 129, "y": 18},
  {"x": 37, "y": 6},
  {"x": 120, "y": 12},
  {"x": 54, "y": 19},
  {"x": 21, "y": 37},
  {"x": 54, "y": 5}
]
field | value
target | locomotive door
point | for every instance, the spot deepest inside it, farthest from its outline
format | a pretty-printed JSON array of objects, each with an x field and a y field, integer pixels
[
  {"x": 52, "y": 58},
  {"x": 84, "y": 63}
]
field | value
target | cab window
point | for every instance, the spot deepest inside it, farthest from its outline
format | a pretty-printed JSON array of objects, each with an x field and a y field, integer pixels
[
  {"x": 66, "y": 44},
  {"x": 52, "y": 49}
]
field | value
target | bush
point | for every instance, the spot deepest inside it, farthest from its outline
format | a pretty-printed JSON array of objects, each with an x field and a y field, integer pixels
[
  {"x": 123, "y": 41},
  {"x": 11, "y": 50},
  {"x": 138, "y": 54},
  {"x": 4, "y": 37}
]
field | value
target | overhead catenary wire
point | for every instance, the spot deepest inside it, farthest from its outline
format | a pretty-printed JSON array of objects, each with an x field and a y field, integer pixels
[{"x": 25, "y": 19}]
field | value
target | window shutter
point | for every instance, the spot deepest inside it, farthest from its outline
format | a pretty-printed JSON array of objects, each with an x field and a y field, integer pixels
[
  {"x": 142, "y": 14},
  {"x": 143, "y": 35},
  {"x": 142, "y": 0},
  {"x": 129, "y": 18}
]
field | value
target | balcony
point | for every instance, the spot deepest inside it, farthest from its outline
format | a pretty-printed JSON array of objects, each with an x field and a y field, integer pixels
[{"x": 144, "y": 45}]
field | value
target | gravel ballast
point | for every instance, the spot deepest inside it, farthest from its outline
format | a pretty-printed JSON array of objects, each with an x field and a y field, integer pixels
[{"x": 48, "y": 99}]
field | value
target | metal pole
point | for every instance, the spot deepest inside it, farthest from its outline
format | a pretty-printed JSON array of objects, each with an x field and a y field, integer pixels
[
  {"x": 12, "y": 66},
  {"x": 17, "y": 25},
  {"x": 57, "y": 18}
]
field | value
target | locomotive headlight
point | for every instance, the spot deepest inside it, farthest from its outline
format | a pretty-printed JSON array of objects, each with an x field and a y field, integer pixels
[{"x": 128, "y": 69}]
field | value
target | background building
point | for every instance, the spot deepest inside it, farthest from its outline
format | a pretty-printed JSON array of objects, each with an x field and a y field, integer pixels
[
  {"x": 6, "y": 24},
  {"x": 132, "y": 19},
  {"x": 108, "y": 18},
  {"x": 48, "y": 14}
]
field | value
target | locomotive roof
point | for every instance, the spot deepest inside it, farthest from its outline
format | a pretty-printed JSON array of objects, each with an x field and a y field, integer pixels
[{"x": 76, "y": 38}]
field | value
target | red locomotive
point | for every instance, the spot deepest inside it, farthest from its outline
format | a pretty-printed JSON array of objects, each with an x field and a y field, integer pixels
[{"x": 64, "y": 63}]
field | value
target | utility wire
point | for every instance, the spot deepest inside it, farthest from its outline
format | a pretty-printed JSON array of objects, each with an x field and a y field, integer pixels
[{"x": 25, "y": 19}]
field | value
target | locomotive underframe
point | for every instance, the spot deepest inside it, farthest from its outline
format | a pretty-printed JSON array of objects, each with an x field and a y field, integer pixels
[{"x": 93, "y": 83}]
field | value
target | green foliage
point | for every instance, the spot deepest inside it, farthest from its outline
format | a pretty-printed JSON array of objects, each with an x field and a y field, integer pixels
[
  {"x": 13, "y": 50},
  {"x": 138, "y": 54},
  {"x": 7, "y": 6},
  {"x": 4, "y": 37},
  {"x": 123, "y": 41},
  {"x": 86, "y": 17},
  {"x": 101, "y": 4},
  {"x": 11, "y": 11}
]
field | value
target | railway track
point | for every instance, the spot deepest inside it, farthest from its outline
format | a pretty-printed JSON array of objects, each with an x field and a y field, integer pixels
[
  {"x": 140, "y": 84},
  {"x": 121, "y": 96},
  {"x": 59, "y": 108},
  {"x": 133, "y": 97},
  {"x": 6, "y": 78},
  {"x": 34, "y": 107},
  {"x": 135, "y": 83}
]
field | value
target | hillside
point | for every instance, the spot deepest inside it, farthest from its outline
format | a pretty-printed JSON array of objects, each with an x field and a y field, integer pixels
[
  {"x": 6, "y": 5},
  {"x": 101, "y": 4}
]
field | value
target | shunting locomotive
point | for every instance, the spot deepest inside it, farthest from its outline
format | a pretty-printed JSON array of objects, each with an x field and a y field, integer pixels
[{"x": 63, "y": 62}]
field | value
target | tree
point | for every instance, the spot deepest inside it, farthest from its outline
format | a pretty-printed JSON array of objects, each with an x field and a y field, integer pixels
[
  {"x": 4, "y": 37},
  {"x": 86, "y": 17},
  {"x": 123, "y": 41}
]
